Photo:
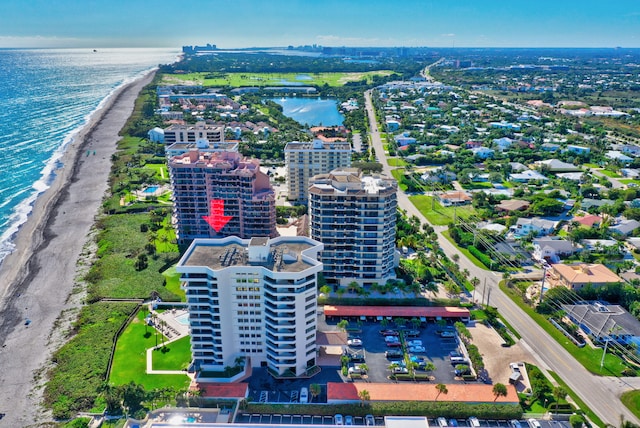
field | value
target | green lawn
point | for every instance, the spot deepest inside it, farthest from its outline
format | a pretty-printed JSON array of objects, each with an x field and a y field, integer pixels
[
  {"x": 270, "y": 79},
  {"x": 588, "y": 357},
  {"x": 465, "y": 252},
  {"x": 172, "y": 278},
  {"x": 175, "y": 356},
  {"x": 439, "y": 215},
  {"x": 396, "y": 162},
  {"x": 610, "y": 173},
  {"x": 398, "y": 173},
  {"x": 631, "y": 399},
  {"x": 130, "y": 358},
  {"x": 628, "y": 181},
  {"x": 477, "y": 185},
  {"x": 160, "y": 169}
]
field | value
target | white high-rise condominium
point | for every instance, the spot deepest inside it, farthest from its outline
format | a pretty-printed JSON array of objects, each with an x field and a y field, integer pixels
[{"x": 252, "y": 298}]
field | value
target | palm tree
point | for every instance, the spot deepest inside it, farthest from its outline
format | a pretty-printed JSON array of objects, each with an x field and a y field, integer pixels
[
  {"x": 364, "y": 396},
  {"x": 314, "y": 390},
  {"x": 499, "y": 390},
  {"x": 429, "y": 368},
  {"x": 442, "y": 389},
  {"x": 559, "y": 393}
]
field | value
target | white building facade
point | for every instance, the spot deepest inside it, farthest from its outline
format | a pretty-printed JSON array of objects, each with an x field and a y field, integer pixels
[
  {"x": 354, "y": 216},
  {"x": 252, "y": 298}
]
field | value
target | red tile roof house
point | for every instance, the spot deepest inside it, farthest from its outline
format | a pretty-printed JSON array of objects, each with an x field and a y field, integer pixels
[
  {"x": 588, "y": 220},
  {"x": 580, "y": 275},
  {"x": 454, "y": 198},
  {"x": 339, "y": 393}
]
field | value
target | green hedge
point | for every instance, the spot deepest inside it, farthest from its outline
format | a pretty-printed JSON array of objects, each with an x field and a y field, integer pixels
[
  {"x": 446, "y": 409},
  {"x": 484, "y": 259}
]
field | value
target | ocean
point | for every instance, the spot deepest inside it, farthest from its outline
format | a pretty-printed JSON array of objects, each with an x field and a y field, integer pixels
[{"x": 46, "y": 97}]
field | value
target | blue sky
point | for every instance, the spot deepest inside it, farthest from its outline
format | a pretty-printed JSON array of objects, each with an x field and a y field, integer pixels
[{"x": 246, "y": 23}]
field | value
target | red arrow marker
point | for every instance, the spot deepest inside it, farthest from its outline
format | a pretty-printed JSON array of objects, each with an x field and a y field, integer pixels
[{"x": 217, "y": 219}]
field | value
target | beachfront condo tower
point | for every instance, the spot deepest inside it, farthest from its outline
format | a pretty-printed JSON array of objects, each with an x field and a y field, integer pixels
[
  {"x": 219, "y": 194},
  {"x": 252, "y": 298},
  {"x": 354, "y": 216},
  {"x": 303, "y": 160}
]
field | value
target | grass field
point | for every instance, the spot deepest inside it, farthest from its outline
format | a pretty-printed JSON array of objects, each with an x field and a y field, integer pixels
[
  {"x": 631, "y": 399},
  {"x": 172, "y": 278},
  {"x": 175, "y": 356},
  {"x": 236, "y": 80},
  {"x": 610, "y": 174},
  {"x": 130, "y": 358},
  {"x": 396, "y": 162},
  {"x": 160, "y": 169},
  {"x": 439, "y": 215}
]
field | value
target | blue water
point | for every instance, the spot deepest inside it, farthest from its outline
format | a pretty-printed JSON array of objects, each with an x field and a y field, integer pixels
[
  {"x": 311, "y": 111},
  {"x": 150, "y": 189},
  {"x": 46, "y": 96}
]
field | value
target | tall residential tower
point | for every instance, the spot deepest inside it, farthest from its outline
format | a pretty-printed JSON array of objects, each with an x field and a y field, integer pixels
[
  {"x": 354, "y": 216},
  {"x": 252, "y": 298},
  {"x": 220, "y": 194}
]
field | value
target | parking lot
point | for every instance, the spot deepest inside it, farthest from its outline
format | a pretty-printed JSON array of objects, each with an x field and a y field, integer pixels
[{"x": 373, "y": 349}]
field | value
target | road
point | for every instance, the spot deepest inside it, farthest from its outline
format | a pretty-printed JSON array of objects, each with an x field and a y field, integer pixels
[{"x": 601, "y": 394}]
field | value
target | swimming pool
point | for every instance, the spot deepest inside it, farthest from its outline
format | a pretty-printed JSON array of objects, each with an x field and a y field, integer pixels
[
  {"x": 151, "y": 189},
  {"x": 183, "y": 318}
]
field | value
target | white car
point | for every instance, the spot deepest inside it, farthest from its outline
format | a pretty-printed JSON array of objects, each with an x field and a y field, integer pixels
[
  {"x": 398, "y": 370},
  {"x": 473, "y": 421},
  {"x": 354, "y": 342},
  {"x": 304, "y": 396},
  {"x": 414, "y": 343},
  {"x": 416, "y": 349},
  {"x": 390, "y": 339},
  {"x": 442, "y": 422},
  {"x": 515, "y": 423}
]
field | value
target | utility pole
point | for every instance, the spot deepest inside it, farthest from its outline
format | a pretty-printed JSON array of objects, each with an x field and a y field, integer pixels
[
  {"x": 484, "y": 290},
  {"x": 544, "y": 276}
]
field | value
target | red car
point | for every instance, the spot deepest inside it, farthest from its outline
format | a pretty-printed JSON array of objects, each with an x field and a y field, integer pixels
[
  {"x": 394, "y": 344},
  {"x": 389, "y": 333}
]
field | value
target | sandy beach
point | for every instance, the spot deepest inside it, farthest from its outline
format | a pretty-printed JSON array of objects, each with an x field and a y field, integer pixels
[{"x": 37, "y": 279}]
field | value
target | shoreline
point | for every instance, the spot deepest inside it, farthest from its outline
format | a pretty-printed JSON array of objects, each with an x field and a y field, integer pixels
[{"x": 38, "y": 277}]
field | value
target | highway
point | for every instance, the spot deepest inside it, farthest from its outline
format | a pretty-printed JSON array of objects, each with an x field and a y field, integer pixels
[{"x": 601, "y": 394}]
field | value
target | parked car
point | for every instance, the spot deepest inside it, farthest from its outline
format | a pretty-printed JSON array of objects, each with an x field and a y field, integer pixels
[
  {"x": 393, "y": 353},
  {"x": 473, "y": 421},
  {"x": 412, "y": 333},
  {"x": 389, "y": 333},
  {"x": 357, "y": 369},
  {"x": 416, "y": 349},
  {"x": 391, "y": 339},
  {"x": 369, "y": 420},
  {"x": 515, "y": 423},
  {"x": 448, "y": 333},
  {"x": 354, "y": 342},
  {"x": 356, "y": 358},
  {"x": 533, "y": 423},
  {"x": 398, "y": 370},
  {"x": 453, "y": 422},
  {"x": 338, "y": 420},
  {"x": 304, "y": 395},
  {"x": 454, "y": 354},
  {"x": 348, "y": 420},
  {"x": 414, "y": 343},
  {"x": 458, "y": 360},
  {"x": 394, "y": 344},
  {"x": 442, "y": 422}
]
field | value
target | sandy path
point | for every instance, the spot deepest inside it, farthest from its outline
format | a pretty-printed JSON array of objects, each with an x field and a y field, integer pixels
[{"x": 38, "y": 277}]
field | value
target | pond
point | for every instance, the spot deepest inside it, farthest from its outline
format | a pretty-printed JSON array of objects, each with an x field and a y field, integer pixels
[{"x": 311, "y": 111}]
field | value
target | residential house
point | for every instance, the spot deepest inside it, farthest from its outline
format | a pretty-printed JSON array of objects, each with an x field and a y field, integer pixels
[
  {"x": 631, "y": 149},
  {"x": 630, "y": 172},
  {"x": 618, "y": 156},
  {"x": 517, "y": 166},
  {"x": 505, "y": 125},
  {"x": 454, "y": 198},
  {"x": 483, "y": 152},
  {"x": 555, "y": 165},
  {"x": 527, "y": 176},
  {"x": 579, "y": 275},
  {"x": 589, "y": 220},
  {"x": 598, "y": 244},
  {"x": 551, "y": 248},
  {"x": 536, "y": 225},
  {"x": 392, "y": 125},
  {"x": 473, "y": 144},
  {"x": 581, "y": 150},
  {"x": 438, "y": 175},
  {"x": 625, "y": 227},
  {"x": 550, "y": 147},
  {"x": 403, "y": 140},
  {"x": 602, "y": 321},
  {"x": 503, "y": 143},
  {"x": 573, "y": 176},
  {"x": 588, "y": 203},
  {"x": 509, "y": 205},
  {"x": 156, "y": 135}
]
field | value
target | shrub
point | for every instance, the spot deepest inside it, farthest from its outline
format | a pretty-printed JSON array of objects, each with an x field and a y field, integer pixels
[{"x": 484, "y": 259}]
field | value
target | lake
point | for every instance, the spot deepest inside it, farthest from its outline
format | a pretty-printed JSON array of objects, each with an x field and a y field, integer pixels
[{"x": 311, "y": 111}]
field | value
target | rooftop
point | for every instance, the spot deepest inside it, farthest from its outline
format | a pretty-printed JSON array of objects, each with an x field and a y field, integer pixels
[
  {"x": 582, "y": 273},
  {"x": 397, "y": 311},
  {"x": 317, "y": 145},
  {"x": 283, "y": 254}
]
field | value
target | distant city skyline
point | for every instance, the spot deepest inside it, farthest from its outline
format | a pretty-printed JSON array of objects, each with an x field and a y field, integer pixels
[{"x": 251, "y": 23}]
